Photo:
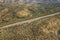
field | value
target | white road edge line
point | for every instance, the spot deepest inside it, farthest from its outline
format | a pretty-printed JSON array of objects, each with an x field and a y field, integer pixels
[{"x": 28, "y": 21}]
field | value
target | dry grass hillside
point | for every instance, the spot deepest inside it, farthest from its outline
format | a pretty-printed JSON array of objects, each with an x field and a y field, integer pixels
[
  {"x": 12, "y": 13},
  {"x": 44, "y": 29}
]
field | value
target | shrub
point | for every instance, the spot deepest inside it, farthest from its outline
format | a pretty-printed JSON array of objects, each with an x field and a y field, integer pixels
[{"x": 23, "y": 13}]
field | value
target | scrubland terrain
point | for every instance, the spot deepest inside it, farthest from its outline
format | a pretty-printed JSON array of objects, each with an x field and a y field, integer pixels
[
  {"x": 44, "y": 29},
  {"x": 15, "y": 13}
]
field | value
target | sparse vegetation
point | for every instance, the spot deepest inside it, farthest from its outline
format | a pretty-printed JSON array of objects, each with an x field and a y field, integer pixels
[
  {"x": 16, "y": 13},
  {"x": 23, "y": 13},
  {"x": 44, "y": 29}
]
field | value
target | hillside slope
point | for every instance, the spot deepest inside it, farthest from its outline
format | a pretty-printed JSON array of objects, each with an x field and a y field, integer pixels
[
  {"x": 12, "y": 13},
  {"x": 44, "y": 29}
]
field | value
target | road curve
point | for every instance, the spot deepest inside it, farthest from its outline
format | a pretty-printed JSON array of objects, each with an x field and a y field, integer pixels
[{"x": 28, "y": 21}]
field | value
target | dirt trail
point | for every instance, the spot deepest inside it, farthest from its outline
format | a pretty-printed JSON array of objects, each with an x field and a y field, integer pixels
[{"x": 28, "y": 21}]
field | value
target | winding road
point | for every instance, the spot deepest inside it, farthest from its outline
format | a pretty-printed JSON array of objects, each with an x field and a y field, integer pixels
[{"x": 28, "y": 21}]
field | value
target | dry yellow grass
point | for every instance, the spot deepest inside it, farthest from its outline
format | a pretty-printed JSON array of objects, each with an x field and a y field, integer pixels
[
  {"x": 44, "y": 29},
  {"x": 52, "y": 26},
  {"x": 23, "y": 13},
  {"x": 5, "y": 10}
]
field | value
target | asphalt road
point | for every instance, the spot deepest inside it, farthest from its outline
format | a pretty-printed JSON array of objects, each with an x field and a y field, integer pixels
[{"x": 28, "y": 21}]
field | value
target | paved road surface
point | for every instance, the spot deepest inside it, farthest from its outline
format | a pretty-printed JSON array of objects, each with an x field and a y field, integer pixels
[{"x": 28, "y": 21}]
